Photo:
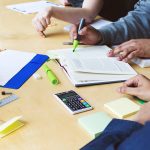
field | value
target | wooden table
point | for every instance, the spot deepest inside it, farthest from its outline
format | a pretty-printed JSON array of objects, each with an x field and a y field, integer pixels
[{"x": 48, "y": 125}]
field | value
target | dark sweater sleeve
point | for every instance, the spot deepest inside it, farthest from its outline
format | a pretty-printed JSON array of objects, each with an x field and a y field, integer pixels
[
  {"x": 116, "y": 132},
  {"x": 139, "y": 140},
  {"x": 133, "y": 26}
]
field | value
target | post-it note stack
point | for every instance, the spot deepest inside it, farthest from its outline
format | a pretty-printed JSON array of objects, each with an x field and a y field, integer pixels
[
  {"x": 10, "y": 126},
  {"x": 122, "y": 107},
  {"x": 95, "y": 123}
]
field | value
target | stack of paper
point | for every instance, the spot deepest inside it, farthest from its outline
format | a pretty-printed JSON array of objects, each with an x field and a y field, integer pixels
[
  {"x": 91, "y": 65},
  {"x": 142, "y": 62},
  {"x": 31, "y": 7},
  {"x": 122, "y": 107}
]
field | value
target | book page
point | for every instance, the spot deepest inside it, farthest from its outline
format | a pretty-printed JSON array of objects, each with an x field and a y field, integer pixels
[
  {"x": 100, "y": 65},
  {"x": 84, "y": 77},
  {"x": 81, "y": 52}
]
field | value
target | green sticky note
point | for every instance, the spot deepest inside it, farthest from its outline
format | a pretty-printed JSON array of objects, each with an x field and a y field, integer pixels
[{"x": 95, "y": 123}]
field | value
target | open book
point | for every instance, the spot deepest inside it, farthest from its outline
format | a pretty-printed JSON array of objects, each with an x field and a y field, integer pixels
[{"x": 90, "y": 65}]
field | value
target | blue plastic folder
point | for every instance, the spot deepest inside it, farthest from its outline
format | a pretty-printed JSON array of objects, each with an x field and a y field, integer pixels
[{"x": 26, "y": 72}]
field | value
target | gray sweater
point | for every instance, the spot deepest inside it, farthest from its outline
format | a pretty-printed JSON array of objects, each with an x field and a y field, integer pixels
[{"x": 133, "y": 26}]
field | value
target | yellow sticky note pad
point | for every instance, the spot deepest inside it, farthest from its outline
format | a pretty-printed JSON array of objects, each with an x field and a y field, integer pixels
[
  {"x": 10, "y": 126},
  {"x": 122, "y": 107}
]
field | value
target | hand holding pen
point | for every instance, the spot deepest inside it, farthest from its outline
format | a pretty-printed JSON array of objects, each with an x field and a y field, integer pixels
[
  {"x": 77, "y": 38},
  {"x": 88, "y": 35}
]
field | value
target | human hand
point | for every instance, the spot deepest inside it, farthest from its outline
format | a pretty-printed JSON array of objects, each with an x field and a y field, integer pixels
[
  {"x": 88, "y": 35},
  {"x": 137, "y": 86},
  {"x": 144, "y": 114},
  {"x": 131, "y": 49},
  {"x": 64, "y": 2},
  {"x": 42, "y": 20}
]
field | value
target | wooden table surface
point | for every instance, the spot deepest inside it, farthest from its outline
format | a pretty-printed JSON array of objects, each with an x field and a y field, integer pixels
[{"x": 48, "y": 125}]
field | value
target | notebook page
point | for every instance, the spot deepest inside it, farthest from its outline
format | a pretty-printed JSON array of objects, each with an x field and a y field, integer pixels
[
  {"x": 11, "y": 62},
  {"x": 99, "y": 65}
]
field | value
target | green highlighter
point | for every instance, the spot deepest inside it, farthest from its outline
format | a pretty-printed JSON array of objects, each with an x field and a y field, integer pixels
[
  {"x": 76, "y": 41},
  {"x": 51, "y": 76}
]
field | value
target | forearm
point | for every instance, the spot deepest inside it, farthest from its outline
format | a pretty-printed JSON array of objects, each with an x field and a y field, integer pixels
[
  {"x": 135, "y": 25},
  {"x": 72, "y": 15},
  {"x": 89, "y": 11}
]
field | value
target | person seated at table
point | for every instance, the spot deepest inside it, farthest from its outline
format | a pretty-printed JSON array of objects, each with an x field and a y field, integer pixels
[
  {"x": 109, "y": 9},
  {"x": 131, "y": 49},
  {"x": 135, "y": 25},
  {"x": 124, "y": 134}
]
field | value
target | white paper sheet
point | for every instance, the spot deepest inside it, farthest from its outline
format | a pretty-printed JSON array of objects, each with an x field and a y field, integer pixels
[
  {"x": 31, "y": 7},
  {"x": 97, "y": 24},
  {"x": 11, "y": 62}
]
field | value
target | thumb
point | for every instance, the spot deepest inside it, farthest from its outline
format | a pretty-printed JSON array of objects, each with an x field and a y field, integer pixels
[
  {"x": 73, "y": 32},
  {"x": 84, "y": 31},
  {"x": 128, "y": 90}
]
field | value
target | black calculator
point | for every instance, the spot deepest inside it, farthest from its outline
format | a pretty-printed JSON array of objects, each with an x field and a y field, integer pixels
[{"x": 73, "y": 102}]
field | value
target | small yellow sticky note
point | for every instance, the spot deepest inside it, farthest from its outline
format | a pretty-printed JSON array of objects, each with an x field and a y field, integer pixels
[
  {"x": 10, "y": 126},
  {"x": 122, "y": 107}
]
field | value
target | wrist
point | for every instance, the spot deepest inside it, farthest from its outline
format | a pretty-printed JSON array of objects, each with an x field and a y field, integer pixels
[{"x": 50, "y": 11}]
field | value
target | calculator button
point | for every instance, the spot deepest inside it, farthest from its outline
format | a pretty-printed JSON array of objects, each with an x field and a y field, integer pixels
[
  {"x": 87, "y": 105},
  {"x": 64, "y": 99},
  {"x": 82, "y": 101}
]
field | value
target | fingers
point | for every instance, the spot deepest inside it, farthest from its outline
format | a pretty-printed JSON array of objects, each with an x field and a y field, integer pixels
[
  {"x": 125, "y": 51},
  {"x": 73, "y": 32},
  {"x": 86, "y": 30},
  {"x": 128, "y": 90},
  {"x": 41, "y": 21},
  {"x": 39, "y": 28}
]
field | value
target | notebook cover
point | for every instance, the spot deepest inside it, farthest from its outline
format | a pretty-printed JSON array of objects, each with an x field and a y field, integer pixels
[{"x": 26, "y": 72}]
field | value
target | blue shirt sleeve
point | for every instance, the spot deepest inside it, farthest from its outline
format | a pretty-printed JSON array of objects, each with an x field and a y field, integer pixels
[
  {"x": 116, "y": 132},
  {"x": 133, "y": 26}
]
